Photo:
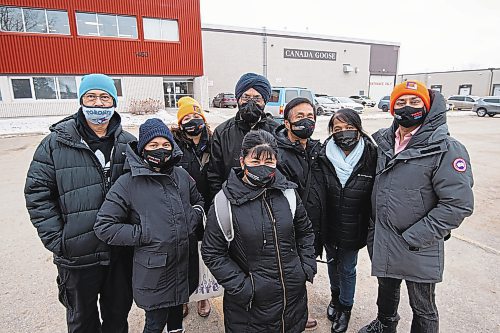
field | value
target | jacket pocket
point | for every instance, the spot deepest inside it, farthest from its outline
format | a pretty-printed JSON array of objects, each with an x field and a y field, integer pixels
[
  {"x": 148, "y": 269},
  {"x": 416, "y": 202}
]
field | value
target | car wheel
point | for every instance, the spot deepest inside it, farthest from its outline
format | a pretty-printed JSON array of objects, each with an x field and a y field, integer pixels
[
  {"x": 319, "y": 111},
  {"x": 481, "y": 112},
  {"x": 385, "y": 108},
  {"x": 491, "y": 114}
]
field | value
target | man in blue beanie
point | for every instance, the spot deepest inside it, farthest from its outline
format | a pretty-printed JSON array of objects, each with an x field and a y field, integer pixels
[
  {"x": 71, "y": 172},
  {"x": 252, "y": 93}
]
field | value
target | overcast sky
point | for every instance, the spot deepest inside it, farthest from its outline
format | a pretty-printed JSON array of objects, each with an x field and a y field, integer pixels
[{"x": 435, "y": 35}]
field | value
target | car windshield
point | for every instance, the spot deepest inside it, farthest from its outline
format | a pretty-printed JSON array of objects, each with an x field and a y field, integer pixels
[
  {"x": 365, "y": 97},
  {"x": 324, "y": 100},
  {"x": 345, "y": 100},
  {"x": 228, "y": 95}
]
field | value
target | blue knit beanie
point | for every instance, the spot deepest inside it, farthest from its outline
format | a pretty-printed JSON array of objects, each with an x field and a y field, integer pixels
[
  {"x": 256, "y": 81},
  {"x": 100, "y": 82},
  {"x": 151, "y": 129}
]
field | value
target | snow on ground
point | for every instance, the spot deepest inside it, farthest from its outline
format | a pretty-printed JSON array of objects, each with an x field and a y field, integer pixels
[{"x": 215, "y": 116}]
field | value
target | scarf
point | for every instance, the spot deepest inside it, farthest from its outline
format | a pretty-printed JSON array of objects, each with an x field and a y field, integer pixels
[{"x": 344, "y": 165}]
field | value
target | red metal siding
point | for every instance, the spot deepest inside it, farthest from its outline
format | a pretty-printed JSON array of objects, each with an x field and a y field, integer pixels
[{"x": 55, "y": 54}]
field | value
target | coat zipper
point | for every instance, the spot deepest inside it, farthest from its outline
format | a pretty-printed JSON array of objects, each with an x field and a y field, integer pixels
[{"x": 279, "y": 261}]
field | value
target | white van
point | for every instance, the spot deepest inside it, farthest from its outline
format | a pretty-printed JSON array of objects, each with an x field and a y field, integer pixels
[{"x": 280, "y": 96}]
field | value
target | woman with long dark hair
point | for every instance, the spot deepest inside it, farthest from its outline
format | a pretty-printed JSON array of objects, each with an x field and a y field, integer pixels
[{"x": 348, "y": 161}]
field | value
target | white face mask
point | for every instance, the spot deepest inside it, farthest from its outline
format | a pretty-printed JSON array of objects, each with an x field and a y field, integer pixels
[{"x": 98, "y": 116}]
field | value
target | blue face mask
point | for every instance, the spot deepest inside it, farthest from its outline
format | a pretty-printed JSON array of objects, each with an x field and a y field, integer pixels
[{"x": 98, "y": 116}]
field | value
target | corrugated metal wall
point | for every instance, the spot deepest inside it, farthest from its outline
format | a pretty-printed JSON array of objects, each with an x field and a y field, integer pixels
[{"x": 56, "y": 54}]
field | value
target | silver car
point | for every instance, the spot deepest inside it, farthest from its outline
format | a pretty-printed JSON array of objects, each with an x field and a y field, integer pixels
[
  {"x": 487, "y": 106},
  {"x": 462, "y": 102}
]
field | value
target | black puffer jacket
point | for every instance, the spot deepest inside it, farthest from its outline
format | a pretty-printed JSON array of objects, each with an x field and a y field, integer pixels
[
  {"x": 265, "y": 268},
  {"x": 301, "y": 166},
  {"x": 195, "y": 160},
  {"x": 226, "y": 148},
  {"x": 349, "y": 209},
  {"x": 65, "y": 187},
  {"x": 153, "y": 212}
]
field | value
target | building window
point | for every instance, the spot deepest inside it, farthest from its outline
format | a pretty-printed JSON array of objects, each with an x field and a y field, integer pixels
[
  {"x": 21, "y": 88},
  {"x": 16, "y": 19},
  {"x": 160, "y": 29},
  {"x": 118, "y": 86},
  {"x": 437, "y": 87},
  {"x": 0, "y": 95},
  {"x": 44, "y": 87},
  {"x": 106, "y": 25}
]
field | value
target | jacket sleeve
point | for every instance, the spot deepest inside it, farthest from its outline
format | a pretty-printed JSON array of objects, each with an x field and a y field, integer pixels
[
  {"x": 215, "y": 172},
  {"x": 215, "y": 254},
  {"x": 111, "y": 225},
  {"x": 41, "y": 195},
  {"x": 455, "y": 199},
  {"x": 196, "y": 201},
  {"x": 304, "y": 238}
]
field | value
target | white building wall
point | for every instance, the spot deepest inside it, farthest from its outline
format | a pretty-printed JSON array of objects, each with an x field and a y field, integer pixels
[
  {"x": 226, "y": 56},
  {"x": 322, "y": 76},
  {"x": 451, "y": 81}
]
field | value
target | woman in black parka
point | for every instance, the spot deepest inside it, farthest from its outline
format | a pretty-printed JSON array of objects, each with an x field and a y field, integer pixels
[
  {"x": 193, "y": 136},
  {"x": 263, "y": 269},
  {"x": 348, "y": 160},
  {"x": 155, "y": 208}
]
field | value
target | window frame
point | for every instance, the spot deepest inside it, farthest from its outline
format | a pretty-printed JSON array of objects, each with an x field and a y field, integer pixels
[
  {"x": 33, "y": 98},
  {"x": 115, "y": 16},
  {"x": 47, "y": 31},
  {"x": 161, "y": 31}
]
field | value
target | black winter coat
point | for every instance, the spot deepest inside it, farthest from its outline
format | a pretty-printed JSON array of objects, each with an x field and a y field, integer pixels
[
  {"x": 226, "y": 148},
  {"x": 348, "y": 209},
  {"x": 65, "y": 187},
  {"x": 301, "y": 166},
  {"x": 153, "y": 212},
  {"x": 265, "y": 267},
  {"x": 195, "y": 161}
]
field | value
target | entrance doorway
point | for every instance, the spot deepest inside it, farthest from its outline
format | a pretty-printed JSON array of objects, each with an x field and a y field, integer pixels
[{"x": 175, "y": 89}]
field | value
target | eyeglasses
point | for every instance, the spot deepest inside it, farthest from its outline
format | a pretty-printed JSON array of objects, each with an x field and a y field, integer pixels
[
  {"x": 93, "y": 98},
  {"x": 257, "y": 99}
]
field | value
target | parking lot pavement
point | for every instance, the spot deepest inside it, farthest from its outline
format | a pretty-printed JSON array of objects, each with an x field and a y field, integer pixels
[{"x": 468, "y": 299}]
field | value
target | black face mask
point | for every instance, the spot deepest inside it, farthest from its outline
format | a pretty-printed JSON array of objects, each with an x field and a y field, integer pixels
[
  {"x": 346, "y": 140},
  {"x": 158, "y": 158},
  {"x": 251, "y": 112},
  {"x": 303, "y": 128},
  {"x": 193, "y": 127},
  {"x": 260, "y": 175},
  {"x": 408, "y": 116}
]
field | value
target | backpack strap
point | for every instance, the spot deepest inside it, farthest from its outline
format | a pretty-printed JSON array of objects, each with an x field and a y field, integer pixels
[
  {"x": 224, "y": 215},
  {"x": 292, "y": 200}
]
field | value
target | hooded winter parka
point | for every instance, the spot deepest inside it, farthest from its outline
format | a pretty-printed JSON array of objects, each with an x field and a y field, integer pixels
[
  {"x": 153, "y": 212},
  {"x": 419, "y": 196},
  {"x": 265, "y": 267}
]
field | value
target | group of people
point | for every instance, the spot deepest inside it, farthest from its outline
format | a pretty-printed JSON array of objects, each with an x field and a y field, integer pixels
[{"x": 124, "y": 217}]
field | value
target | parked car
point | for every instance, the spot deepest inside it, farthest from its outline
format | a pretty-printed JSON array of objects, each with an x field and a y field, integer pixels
[
  {"x": 325, "y": 106},
  {"x": 345, "y": 102},
  {"x": 280, "y": 96},
  {"x": 224, "y": 100},
  {"x": 462, "y": 102},
  {"x": 364, "y": 100},
  {"x": 384, "y": 103},
  {"x": 489, "y": 105}
]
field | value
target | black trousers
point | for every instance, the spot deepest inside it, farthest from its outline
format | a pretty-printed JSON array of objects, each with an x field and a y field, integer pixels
[
  {"x": 81, "y": 289},
  {"x": 157, "y": 319},
  {"x": 422, "y": 302}
]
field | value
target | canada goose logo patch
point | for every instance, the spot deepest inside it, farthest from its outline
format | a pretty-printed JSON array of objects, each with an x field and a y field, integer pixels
[{"x": 460, "y": 165}]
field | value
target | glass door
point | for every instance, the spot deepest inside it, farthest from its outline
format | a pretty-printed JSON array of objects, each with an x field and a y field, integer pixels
[{"x": 174, "y": 90}]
